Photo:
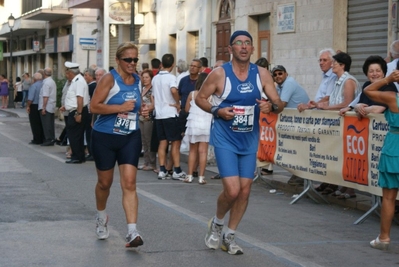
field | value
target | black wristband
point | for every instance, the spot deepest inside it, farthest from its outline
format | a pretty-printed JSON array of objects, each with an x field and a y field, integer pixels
[
  {"x": 351, "y": 108},
  {"x": 214, "y": 111}
]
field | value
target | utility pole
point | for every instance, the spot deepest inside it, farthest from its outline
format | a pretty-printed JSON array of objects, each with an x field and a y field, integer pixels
[{"x": 132, "y": 28}]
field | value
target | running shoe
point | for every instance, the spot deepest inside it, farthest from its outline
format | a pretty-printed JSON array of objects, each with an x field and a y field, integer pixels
[
  {"x": 101, "y": 228},
  {"x": 179, "y": 176},
  {"x": 163, "y": 175},
  {"x": 133, "y": 240},
  {"x": 230, "y": 246},
  {"x": 212, "y": 237}
]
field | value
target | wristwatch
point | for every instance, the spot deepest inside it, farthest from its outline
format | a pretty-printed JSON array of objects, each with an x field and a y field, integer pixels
[
  {"x": 77, "y": 114},
  {"x": 274, "y": 107}
]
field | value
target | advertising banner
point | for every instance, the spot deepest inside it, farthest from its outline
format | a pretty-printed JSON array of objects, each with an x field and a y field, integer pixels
[{"x": 325, "y": 147}]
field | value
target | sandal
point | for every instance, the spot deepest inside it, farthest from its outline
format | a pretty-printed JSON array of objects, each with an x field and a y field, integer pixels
[
  {"x": 201, "y": 180},
  {"x": 147, "y": 168},
  {"x": 378, "y": 244},
  {"x": 188, "y": 179}
]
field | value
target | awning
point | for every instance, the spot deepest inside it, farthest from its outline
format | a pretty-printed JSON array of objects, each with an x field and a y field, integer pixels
[
  {"x": 48, "y": 14},
  {"x": 86, "y": 4}
]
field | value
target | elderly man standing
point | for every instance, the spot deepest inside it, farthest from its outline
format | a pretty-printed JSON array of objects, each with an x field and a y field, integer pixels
[
  {"x": 47, "y": 102},
  {"x": 328, "y": 81},
  {"x": 76, "y": 102},
  {"x": 33, "y": 111}
]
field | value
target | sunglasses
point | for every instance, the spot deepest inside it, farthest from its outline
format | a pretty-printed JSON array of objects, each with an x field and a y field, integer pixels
[
  {"x": 240, "y": 43},
  {"x": 130, "y": 59},
  {"x": 278, "y": 74}
]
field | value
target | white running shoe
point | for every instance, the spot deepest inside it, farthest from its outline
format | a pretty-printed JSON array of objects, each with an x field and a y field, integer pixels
[
  {"x": 133, "y": 240},
  {"x": 163, "y": 175},
  {"x": 101, "y": 228},
  {"x": 179, "y": 176},
  {"x": 212, "y": 237},
  {"x": 230, "y": 246}
]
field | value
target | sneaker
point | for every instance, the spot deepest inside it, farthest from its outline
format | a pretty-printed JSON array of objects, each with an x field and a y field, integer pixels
[
  {"x": 133, "y": 240},
  {"x": 163, "y": 175},
  {"x": 212, "y": 237},
  {"x": 179, "y": 176},
  {"x": 229, "y": 244},
  {"x": 101, "y": 228}
]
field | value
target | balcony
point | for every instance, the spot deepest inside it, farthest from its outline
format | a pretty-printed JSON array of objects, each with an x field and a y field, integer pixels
[
  {"x": 22, "y": 28},
  {"x": 86, "y": 4},
  {"x": 45, "y": 10}
]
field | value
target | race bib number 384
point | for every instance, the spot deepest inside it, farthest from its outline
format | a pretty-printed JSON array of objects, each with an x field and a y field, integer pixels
[
  {"x": 243, "y": 119},
  {"x": 125, "y": 123}
]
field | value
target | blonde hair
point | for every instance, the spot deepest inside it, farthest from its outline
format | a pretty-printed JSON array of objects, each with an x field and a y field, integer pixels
[{"x": 123, "y": 47}]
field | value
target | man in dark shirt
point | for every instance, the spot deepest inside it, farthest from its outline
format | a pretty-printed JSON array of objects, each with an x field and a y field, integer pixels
[{"x": 185, "y": 87}]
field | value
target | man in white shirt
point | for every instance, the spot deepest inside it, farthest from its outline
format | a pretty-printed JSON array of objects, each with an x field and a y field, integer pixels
[
  {"x": 167, "y": 108},
  {"x": 76, "y": 101},
  {"x": 328, "y": 81},
  {"x": 394, "y": 51},
  {"x": 47, "y": 102}
]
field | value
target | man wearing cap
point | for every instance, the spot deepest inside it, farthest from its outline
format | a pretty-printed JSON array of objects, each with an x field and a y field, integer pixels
[
  {"x": 290, "y": 92},
  {"x": 235, "y": 90},
  {"x": 76, "y": 101},
  {"x": 47, "y": 102}
]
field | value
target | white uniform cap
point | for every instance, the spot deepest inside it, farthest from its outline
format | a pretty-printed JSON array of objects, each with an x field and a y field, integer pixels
[{"x": 71, "y": 65}]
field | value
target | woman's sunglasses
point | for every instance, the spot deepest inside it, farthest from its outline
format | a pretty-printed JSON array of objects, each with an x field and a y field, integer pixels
[{"x": 130, "y": 59}]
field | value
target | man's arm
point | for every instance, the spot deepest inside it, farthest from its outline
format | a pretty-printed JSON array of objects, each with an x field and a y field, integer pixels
[
  {"x": 45, "y": 100},
  {"x": 271, "y": 93}
]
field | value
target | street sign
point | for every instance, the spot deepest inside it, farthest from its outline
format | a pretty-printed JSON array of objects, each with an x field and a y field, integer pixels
[{"x": 88, "y": 43}]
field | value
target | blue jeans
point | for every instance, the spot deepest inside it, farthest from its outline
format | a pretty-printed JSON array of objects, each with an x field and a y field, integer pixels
[{"x": 24, "y": 97}]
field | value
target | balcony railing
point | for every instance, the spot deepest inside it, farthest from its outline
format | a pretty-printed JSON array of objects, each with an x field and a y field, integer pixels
[{"x": 30, "y": 5}]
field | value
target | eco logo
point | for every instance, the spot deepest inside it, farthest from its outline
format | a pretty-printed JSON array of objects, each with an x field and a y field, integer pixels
[
  {"x": 355, "y": 164},
  {"x": 268, "y": 137}
]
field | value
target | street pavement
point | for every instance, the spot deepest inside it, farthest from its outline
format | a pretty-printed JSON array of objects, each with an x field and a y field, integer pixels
[{"x": 47, "y": 217}]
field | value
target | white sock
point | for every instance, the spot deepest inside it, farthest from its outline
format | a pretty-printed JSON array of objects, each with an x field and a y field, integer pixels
[
  {"x": 131, "y": 227},
  {"x": 218, "y": 221},
  {"x": 229, "y": 231},
  {"x": 102, "y": 214}
]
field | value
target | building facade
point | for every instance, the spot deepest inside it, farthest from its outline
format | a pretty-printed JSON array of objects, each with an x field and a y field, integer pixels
[{"x": 286, "y": 32}]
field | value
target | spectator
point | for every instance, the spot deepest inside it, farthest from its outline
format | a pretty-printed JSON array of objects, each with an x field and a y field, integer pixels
[
  {"x": 18, "y": 91},
  {"x": 76, "y": 102},
  {"x": 182, "y": 69},
  {"x": 291, "y": 93},
  {"x": 3, "y": 91},
  {"x": 167, "y": 108},
  {"x": 198, "y": 131},
  {"x": 90, "y": 78},
  {"x": 375, "y": 69},
  {"x": 146, "y": 123},
  {"x": 328, "y": 81},
  {"x": 394, "y": 54},
  {"x": 388, "y": 178},
  {"x": 155, "y": 65},
  {"x": 204, "y": 63},
  {"x": 262, "y": 62},
  {"x": 26, "y": 83},
  {"x": 47, "y": 103},
  {"x": 32, "y": 108},
  {"x": 346, "y": 89}
]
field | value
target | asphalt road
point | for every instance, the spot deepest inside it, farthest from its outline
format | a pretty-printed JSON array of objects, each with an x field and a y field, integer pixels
[{"x": 47, "y": 213}]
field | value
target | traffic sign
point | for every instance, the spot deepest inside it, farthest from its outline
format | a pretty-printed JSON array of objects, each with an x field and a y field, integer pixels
[{"x": 88, "y": 41}]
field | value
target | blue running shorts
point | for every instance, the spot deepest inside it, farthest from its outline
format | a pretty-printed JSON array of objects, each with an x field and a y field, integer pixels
[{"x": 232, "y": 164}]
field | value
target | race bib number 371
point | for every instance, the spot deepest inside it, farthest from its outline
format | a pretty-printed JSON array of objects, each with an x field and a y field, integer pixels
[{"x": 243, "y": 119}]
